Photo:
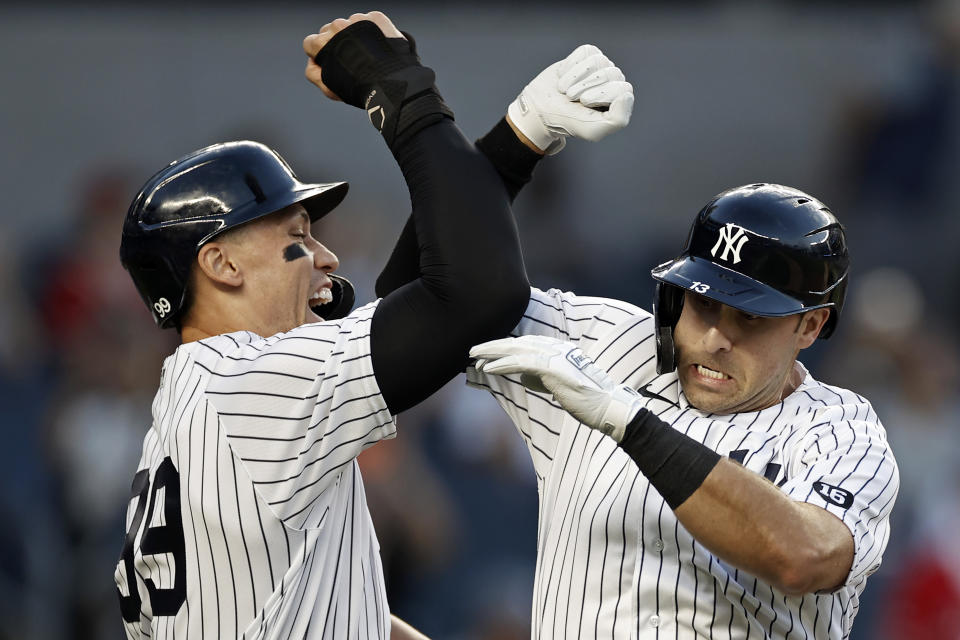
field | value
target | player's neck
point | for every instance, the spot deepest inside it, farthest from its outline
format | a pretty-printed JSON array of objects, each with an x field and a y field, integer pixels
[
  {"x": 794, "y": 379},
  {"x": 203, "y": 323},
  {"x": 192, "y": 334}
]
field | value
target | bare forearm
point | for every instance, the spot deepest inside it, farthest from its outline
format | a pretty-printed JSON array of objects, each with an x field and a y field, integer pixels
[
  {"x": 738, "y": 515},
  {"x": 524, "y": 139},
  {"x": 748, "y": 522},
  {"x": 400, "y": 630}
]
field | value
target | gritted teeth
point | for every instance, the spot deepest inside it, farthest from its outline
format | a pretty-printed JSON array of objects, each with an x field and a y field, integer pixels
[{"x": 710, "y": 373}]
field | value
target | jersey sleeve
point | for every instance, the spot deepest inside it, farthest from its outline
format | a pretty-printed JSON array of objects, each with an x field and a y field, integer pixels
[
  {"x": 844, "y": 465},
  {"x": 585, "y": 321},
  {"x": 297, "y": 408}
]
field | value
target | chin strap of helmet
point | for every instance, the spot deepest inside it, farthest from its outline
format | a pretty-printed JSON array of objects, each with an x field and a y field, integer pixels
[{"x": 667, "y": 305}]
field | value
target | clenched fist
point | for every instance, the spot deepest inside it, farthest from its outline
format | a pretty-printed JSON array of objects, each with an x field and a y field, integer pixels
[{"x": 314, "y": 42}]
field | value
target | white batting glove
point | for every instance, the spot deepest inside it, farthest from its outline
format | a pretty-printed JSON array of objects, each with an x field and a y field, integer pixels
[
  {"x": 584, "y": 96},
  {"x": 548, "y": 365}
]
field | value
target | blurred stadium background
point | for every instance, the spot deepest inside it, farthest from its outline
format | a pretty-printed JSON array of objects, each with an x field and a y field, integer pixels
[{"x": 855, "y": 102}]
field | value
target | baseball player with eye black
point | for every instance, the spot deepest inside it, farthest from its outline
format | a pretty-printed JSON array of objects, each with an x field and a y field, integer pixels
[
  {"x": 695, "y": 480},
  {"x": 247, "y": 516}
]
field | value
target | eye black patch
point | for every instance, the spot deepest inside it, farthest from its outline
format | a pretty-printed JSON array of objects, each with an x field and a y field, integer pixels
[{"x": 294, "y": 252}]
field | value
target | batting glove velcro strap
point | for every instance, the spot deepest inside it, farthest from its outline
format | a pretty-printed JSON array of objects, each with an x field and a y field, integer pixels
[
  {"x": 548, "y": 365},
  {"x": 584, "y": 95},
  {"x": 383, "y": 76}
]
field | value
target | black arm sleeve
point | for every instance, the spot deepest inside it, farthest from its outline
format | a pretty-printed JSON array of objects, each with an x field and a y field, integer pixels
[
  {"x": 512, "y": 159},
  {"x": 470, "y": 284},
  {"x": 514, "y": 162}
]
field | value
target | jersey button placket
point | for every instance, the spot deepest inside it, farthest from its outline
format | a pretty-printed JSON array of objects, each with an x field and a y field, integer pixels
[
  {"x": 658, "y": 545},
  {"x": 654, "y": 621}
]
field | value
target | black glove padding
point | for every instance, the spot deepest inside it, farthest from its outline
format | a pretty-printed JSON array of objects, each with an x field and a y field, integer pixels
[
  {"x": 384, "y": 76},
  {"x": 343, "y": 299}
]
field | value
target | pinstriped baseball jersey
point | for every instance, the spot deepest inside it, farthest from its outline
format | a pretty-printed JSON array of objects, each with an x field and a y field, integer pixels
[
  {"x": 614, "y": 562},
  {"x": 248, "y": 516}
]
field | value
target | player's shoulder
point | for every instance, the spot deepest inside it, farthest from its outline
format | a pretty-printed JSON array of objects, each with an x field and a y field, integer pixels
[
  {"x": 351, "y": 328},
  {"x": 843, "y": 424},
  {"x": 832, "y": 410},
  {"x": 304, "y": 347},
  {"x": 578, "y": 307},
  {"x": 824, "y": 399}
]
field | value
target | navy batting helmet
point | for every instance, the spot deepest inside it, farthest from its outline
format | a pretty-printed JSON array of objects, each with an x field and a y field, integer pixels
[
  {"x": 765, "y": 249},
  {"x": 201, "y": 195}
]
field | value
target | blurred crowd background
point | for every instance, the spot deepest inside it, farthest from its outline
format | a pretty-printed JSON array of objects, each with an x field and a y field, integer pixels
[{"x": 856, "y": 103}]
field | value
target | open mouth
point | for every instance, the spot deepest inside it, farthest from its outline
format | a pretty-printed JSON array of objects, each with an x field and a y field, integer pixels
[
  {"x": 710, "y": 373},
  {"x": 321, "y": 296},
  {"x": 317, "y": 299}
]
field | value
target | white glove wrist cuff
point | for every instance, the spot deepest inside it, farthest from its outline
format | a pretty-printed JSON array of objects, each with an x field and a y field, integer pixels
[
  {"x": 525, "y": 118},
  {"x": 624, "y": 405}
]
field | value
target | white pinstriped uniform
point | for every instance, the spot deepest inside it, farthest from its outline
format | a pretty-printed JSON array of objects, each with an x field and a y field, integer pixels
[
  {"x": 262, "y": 437},
  {"x": 612, "y": 559}
]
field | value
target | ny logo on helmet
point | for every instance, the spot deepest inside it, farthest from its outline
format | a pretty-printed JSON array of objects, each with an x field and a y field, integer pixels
[{"x": 735, "y": 237}]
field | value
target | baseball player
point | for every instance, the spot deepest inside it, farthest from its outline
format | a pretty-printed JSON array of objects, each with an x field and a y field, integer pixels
[
  {"x": 247, "y": 516},
  {"x": 695, "y": 480}
]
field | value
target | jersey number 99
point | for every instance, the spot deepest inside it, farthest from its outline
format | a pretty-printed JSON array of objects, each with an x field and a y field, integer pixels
[{"x": 163, "y": 539}]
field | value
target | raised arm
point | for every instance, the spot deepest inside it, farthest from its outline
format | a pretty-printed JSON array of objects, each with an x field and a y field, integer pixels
[
  {"x": 471, "y": 285},
  {"x": 584, "y": 95}
]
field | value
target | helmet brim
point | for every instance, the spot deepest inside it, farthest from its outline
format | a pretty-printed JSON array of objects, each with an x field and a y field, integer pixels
[
  {"x": 728, "y": 287},
  {"x": 317, "y": 199},
  {"x": 320, "y": 199}
]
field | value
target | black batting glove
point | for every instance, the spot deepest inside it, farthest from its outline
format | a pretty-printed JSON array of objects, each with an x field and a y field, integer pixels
[{"x": 383, "y": 76}]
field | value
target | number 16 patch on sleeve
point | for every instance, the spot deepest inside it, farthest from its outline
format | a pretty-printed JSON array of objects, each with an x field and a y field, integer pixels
[{"x": 834, "y": 495}]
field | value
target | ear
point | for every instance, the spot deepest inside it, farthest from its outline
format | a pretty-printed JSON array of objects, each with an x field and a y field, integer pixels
[
  {"x": 217, "y": 263},
  {"x": 810, "y": 325}
]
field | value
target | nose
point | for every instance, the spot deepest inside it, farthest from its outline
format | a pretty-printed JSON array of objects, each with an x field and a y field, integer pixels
[
  {"x": 324, "y": 259},
  {"x": 715, "y": 340}
]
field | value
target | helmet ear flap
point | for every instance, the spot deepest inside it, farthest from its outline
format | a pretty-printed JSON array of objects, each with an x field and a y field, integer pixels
[
  {"x": 162, "y": 287},
  {"x": 667, "y": 306},
  {"x": 836, "y": 296}
]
